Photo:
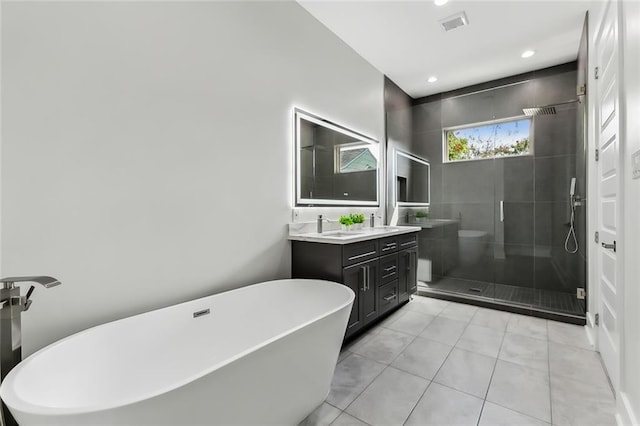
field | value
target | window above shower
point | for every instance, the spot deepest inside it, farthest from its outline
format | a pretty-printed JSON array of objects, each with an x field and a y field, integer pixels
[{"x": 491, "y": 139}]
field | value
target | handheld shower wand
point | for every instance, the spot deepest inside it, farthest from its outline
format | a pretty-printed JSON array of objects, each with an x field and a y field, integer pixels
[{"x": 572, "y": 232}]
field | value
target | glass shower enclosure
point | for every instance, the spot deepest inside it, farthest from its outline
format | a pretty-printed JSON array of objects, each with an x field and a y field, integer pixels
[{"x": 507, "y": 224}]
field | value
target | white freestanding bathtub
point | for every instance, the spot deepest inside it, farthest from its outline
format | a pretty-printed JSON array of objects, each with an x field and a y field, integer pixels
[{"x": 264, "y": 354}]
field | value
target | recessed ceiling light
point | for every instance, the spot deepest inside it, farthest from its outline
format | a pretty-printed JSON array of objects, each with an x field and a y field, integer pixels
[
  {"x": 432, "y": 79},
  {"x": 440, "y": 2},
  {"x": 528, "y": 53}
]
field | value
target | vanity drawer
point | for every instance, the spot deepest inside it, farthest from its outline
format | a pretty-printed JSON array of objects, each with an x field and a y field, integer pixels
[
  {"x": 359, "y": 252},
  {"x": 387, "y": 296},
  {"x": 407, "y": 240},
  {"x": 388, "y": 245},
  {"x": 388, "y": 268}
]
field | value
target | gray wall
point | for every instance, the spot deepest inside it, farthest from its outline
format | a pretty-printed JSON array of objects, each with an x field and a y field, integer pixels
[
  {"x": 147, "y": 148},
  {"x": 534, "y": 188},
  {"x": 399, "y": 122}
]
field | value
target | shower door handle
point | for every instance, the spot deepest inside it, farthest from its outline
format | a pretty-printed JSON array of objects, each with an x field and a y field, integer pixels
[{"x": 501, "y": 210}]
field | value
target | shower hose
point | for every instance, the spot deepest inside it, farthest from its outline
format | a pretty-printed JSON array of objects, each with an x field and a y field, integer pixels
[{"x": 572, "y": 232}]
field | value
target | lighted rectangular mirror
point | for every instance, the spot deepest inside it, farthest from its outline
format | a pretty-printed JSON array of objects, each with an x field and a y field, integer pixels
[
  {"x": 334, "y": 165},
  {"x": 413, "y": 180}
]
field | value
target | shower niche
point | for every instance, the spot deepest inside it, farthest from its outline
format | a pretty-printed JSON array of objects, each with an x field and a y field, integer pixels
[{"x": 502, "y": 160}]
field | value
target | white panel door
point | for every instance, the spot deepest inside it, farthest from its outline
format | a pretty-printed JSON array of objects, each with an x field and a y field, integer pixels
[{"x": 608, "y": 169}]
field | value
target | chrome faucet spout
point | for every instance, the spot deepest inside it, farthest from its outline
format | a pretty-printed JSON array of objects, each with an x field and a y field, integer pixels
[
  {"x": 46, "y": 281},
  {"x": 319, "y": 222}
]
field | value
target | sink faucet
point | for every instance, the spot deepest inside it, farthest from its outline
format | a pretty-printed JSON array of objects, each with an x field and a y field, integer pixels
[
  {"x": 319, "y": 222},
  {"x": 12, "y": 304}
]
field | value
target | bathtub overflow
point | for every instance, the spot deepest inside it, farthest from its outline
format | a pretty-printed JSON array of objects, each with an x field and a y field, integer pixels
[{"x": 201, "y": 313}]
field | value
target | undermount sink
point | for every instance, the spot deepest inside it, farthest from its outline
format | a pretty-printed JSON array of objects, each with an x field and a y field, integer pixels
[
  {"x": 342, "y": 234},
  {"x": 339, "y": 236},
  {"x": 363, "y": 231}
]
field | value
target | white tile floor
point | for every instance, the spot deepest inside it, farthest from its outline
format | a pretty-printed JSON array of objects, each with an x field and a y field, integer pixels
[{"x": 442, "y": 363}]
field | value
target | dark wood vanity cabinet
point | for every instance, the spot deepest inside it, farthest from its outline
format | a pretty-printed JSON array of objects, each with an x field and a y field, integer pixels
[{"x": 381, "y": 272}]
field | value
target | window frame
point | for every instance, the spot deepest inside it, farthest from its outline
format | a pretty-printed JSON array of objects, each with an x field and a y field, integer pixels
[{"x": 445, "y": 147}]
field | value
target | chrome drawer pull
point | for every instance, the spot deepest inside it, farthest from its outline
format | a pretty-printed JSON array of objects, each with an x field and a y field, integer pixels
[
  {"x": 367, "y": 270},
  {"x": 365, "y": 278},
  {"x": 407, "y": 243},
  {"x": 362, "y": 255},
  {"x": 389, "y": 269},
  {"x": 389, "y": 298}
]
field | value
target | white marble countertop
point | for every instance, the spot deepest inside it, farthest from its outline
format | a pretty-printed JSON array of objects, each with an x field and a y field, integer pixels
[
  {"x": 433, "y": 223},
  {"x": 348, "y": 237}
]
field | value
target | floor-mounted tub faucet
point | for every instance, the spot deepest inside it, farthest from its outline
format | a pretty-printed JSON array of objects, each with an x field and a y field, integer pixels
[{"x": 12, "y": 304}]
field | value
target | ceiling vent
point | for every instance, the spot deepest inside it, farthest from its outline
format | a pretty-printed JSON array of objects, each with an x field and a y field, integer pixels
[{"x": 454, "y": 21}]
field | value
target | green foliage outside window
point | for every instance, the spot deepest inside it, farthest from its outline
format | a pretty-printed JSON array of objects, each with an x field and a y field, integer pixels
[{"x": 489, "y": 141}]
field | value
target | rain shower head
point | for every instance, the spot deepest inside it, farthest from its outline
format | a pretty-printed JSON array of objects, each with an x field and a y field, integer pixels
[
  {"x": 548, "y": 109},
  {"x": 545, "y": 110}
]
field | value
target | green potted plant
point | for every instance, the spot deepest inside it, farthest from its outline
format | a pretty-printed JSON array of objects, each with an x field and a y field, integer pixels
[
  {"x": 422, "y": 215},
  {"x": 352, "y": 221},
  {"x": 346, "y": 222},
  {"x": 357, "y": 219}
]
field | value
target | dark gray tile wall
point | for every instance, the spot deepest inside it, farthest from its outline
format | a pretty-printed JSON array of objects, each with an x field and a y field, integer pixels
[
  {"x": 553, "y": 177},
  {"x": 399, "y": 134},
  {"x": 552, "y": 139},
  {"x": 527, "y": 248},
  {"x": 514, "y": 179}
]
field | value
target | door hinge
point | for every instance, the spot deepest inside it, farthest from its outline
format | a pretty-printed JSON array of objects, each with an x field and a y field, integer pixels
[
  {"x": 597, "y": 73},
  {"x": 581, "y": 293},
  {"x": 596, "y": 237},
  {"x": 582, "y": 90},
  {"x": 596, "y": 319},
  {"x": 597, "y": 154}
]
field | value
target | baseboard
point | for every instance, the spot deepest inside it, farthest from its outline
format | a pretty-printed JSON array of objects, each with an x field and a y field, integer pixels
[
  {"x": 624, "y": 413},
  {"x": 591, "y": 330}
]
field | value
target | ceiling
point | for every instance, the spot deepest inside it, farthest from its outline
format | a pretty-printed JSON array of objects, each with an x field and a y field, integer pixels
[{"x": 404, "y": 40}]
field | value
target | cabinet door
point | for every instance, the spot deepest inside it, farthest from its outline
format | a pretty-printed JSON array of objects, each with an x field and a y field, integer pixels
[
  {"x": 407, "y": 273},
  {"x": 412, "y": 276},
  {"x": 370, "y": 295},
  {"x": 353, "y": 277},
  {"x": 403, "y": 276}
]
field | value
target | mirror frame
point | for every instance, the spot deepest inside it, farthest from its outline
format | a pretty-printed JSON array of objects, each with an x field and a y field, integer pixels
[
  {"x": 311, "y": 202},
  {"x": 395, "y": 179}
]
